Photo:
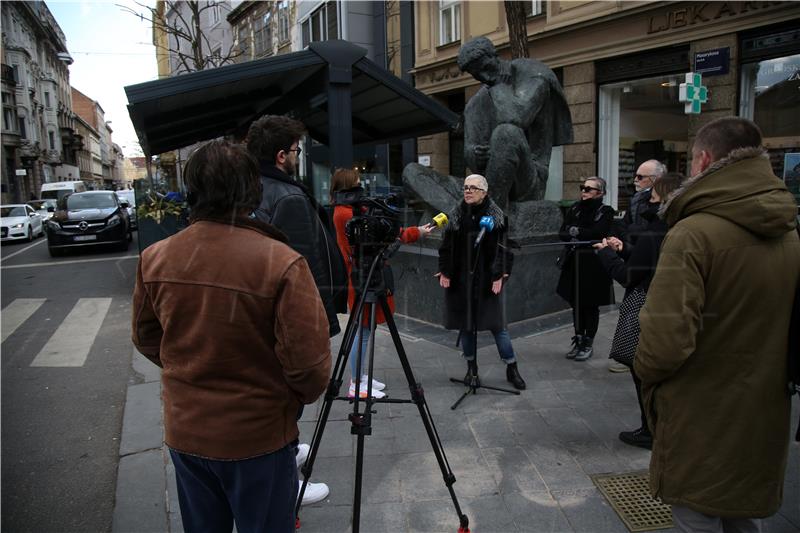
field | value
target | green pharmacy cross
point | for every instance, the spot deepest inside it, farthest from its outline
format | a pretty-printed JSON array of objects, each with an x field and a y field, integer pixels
[{"x": 693, "y": 93}]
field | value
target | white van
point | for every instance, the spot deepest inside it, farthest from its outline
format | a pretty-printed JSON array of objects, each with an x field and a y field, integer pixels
[{"x": 59, "y": 189}]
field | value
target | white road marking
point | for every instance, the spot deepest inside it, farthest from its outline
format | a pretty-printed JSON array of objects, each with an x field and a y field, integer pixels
[
  {"x": 70, "y": 344},
  {"x": 18, "y": 312},
  {"x": 59, "y": 263},
  {"x": 37, "y": 243}
]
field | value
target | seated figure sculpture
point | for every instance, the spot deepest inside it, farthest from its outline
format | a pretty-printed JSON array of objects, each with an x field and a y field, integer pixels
[{"x": 512, "y": 123}]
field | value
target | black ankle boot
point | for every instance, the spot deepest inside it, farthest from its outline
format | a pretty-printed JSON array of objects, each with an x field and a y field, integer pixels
[
  {"x": 513, "y": 377},
  {"x": 472, "y": 373},
  {"x": 576, "y": 345},
  {"x": 585, "y": 351}
]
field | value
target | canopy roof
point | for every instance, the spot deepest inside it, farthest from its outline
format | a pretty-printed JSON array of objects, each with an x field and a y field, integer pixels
[{"x": 176, "y": 112}]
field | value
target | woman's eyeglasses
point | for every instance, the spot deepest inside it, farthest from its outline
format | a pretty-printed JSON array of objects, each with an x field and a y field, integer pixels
[
  {"x": 586, "y": 188},
  {"x": 471, "y": 188}
]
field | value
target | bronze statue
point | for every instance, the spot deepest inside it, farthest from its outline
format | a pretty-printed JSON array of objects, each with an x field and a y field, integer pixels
[{"x": 512, "y": 123}]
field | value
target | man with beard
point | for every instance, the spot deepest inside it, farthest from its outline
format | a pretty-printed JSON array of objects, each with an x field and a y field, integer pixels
[
  {"x": 286, "y": 204},
  {"x": 712, "y": 354}
]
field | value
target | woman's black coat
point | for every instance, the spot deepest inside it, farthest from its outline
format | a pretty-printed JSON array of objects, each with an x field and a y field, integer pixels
[
  {"x": 494, "y": 260},
  {"x": 635, "y": 265},
  {"x": 589, "y": 280}
]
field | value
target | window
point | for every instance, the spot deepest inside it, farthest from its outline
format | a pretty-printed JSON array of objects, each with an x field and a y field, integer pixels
[
  {"x": 244, "y": 39},
  {"x": 213, "y": 12},
  {"x": 52, "y": 139},
  {"x": 9, "y": 112},
  {"x": 22, "y": 132},
  {"x": 449, "y": 21},
  {"x": 535, "y": 8},
  {"x": 283, "y": 21},
  {"x": 322, "y": 24},
  {"x": 263, "y": 35},
  {"x": 770, "y": 98},
  {"x": 46, "y": 99}
]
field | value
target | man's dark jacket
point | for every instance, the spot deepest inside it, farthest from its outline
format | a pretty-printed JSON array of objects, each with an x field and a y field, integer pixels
[
  {"x": 633, "y": 223},
  {"x": 289, "y": 206}
]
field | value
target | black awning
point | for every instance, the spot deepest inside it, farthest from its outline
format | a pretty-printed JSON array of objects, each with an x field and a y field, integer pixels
[{"x": 176, "y": 112}]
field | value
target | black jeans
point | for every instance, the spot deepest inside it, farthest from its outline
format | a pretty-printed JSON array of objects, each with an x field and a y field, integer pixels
[{"x": 586, "y": 318}]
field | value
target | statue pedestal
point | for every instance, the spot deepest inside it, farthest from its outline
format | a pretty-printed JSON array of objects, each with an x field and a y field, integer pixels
[{"x": 530, "y": 291}]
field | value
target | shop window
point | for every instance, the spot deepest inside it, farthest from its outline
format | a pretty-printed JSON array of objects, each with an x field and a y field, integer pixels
[
  {"x": 770, "y": 96},
  {"x": 449, "y": 21},
  {"x": 639, "y": 120}
]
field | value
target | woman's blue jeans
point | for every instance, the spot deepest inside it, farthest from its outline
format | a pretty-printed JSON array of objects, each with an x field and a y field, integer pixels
[
  {"x": 362, "y": 337},
  {"x": 501, "y": 338}
]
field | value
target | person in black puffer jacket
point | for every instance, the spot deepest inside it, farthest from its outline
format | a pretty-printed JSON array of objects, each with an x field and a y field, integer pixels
[
  {"x": 633, "y": 268},
  {"x": 583, "y": 282}
]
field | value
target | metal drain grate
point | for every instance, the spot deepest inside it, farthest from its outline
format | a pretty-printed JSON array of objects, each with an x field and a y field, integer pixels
[{"x": 629, "y": 495}]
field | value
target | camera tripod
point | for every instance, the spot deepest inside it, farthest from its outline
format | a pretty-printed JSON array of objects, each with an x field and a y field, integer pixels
[
  {"x": 474, "y": 382},
  {"x": 373, "y": 292}
]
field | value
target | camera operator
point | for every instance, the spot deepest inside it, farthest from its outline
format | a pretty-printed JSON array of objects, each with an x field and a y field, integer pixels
[
  {"x": 288, "y": 205},
  {"x": 230, "y": 313},
  {"x": 584, "y": 282},
  {"x": 457, "y": 255},
  {"x": 346, "y": 180}
]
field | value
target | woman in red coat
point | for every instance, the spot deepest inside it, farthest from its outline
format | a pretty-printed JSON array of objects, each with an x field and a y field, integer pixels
[{"x": 346, "y": 179}]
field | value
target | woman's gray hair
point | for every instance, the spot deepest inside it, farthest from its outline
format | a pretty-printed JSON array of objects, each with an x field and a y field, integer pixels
[
  {"x": 482, "y": 183},
  {"x": 601, "y": 181}
]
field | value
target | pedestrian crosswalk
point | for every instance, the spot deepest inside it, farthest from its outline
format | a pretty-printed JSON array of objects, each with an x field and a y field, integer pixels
[
  {"x": 69, "y": 346},
  {"x": 18, "y": 312}
]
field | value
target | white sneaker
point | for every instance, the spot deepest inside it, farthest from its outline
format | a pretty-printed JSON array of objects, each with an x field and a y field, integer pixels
[
  {"x": 362, "y": 391},
  {"x": 315, "y": 492},
  {"x": 302, "y": 454},
  {"x": 376, "y": 385}
]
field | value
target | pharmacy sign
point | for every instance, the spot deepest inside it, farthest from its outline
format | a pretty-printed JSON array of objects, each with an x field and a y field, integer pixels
[{"x": 693, "y": 93}]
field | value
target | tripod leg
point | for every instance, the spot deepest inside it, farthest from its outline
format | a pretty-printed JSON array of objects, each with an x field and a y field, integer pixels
[
  {"x": 418, "y": 397},
  {"x": 330, "y": 395}
]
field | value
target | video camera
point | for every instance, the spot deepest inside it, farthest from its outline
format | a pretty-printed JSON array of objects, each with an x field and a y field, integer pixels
[
  {"x": 375, "y": 223},
  {"x": 375, "y": 226}
]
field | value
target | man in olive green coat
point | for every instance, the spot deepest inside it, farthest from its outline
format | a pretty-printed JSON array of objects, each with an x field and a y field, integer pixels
[{"x": 713, "y": 347}]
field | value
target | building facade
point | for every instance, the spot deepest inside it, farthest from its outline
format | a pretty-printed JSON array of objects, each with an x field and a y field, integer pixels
[
  {"x": 39, "y": 136},
  {"x": 621, "y": 65}
]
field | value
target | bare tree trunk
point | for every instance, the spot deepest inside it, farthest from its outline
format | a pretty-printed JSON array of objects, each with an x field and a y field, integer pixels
[{"x": 517, "y": 28}]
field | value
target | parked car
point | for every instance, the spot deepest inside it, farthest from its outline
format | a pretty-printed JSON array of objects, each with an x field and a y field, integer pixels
[
  {"x": 19, "y": 222},
  {"x": 88, "y": 219},
  {"x": 45, "y": 208},
  {"x": 130, "y": 197}
]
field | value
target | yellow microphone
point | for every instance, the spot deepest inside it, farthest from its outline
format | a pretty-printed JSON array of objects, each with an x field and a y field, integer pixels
[{"x": 440, "y": 220}]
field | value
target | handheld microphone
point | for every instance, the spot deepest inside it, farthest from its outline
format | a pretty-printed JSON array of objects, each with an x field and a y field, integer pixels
[
  {"x": 486, "y": 224},
  {"x": 440, "y": 220}
]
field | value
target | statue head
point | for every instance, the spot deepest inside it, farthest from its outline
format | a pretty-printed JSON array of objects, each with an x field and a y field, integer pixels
[{"x": 479, "y": 58}]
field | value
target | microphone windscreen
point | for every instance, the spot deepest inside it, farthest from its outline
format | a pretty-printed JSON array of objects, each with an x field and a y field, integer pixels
[{"x": 440, "y": 220}]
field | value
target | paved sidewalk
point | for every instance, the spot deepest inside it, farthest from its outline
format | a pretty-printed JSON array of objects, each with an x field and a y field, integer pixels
[{"x": 522, "y": 463}]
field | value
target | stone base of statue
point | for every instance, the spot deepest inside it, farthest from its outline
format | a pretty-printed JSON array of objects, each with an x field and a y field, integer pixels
[{"x": 531, "y": 290}]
